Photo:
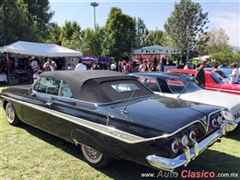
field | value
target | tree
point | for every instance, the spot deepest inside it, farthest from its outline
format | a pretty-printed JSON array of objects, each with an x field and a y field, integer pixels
[
  {"x": 12, "y": 21},
  {"x": 120, "y": 34},
  {"x": 38, "y": 18},
  {"x": 218, "y": 41},
  {"x": 70, "y": 35},
  {"x": 141, "y": 33},
  {"x": 222, "y": 57},
  {"x": 87, "y": 42},
  {"x": 92, "y": 41},
  {"x": 24, "y": 20},
  {"x": 186, "y": 22},
  {"x": 154, "y": 37},
  {"x": 54, "y": 34}
]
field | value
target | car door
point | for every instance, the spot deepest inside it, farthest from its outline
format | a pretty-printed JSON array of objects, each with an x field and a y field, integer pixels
[
  {"x": 70, "y": 113},
  {"x": 38, "y": 112}
]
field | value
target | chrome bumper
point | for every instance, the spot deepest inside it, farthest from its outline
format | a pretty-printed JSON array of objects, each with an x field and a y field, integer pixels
[
  {"x": 232, "y": 124},
  {"x": 169, "y": 164}
]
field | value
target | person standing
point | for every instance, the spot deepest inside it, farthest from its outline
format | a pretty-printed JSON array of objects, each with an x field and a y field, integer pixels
[
  {"x": 80, "y": 65},
  {"x": 35, "y": 75},
  {"x": 187, "y": 65},
  {"x": 69, "y": 67},
  {"x": 49, "y": 65},
  {"x": 113, "y": 66},
  {"x": 200, "y": 79},
  {"x": 125, "y": 68},
  {"x": 235, "y": 74},
  {"x": 143, "y": 67}
]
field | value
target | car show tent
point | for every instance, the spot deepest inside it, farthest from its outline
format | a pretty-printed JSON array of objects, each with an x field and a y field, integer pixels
[
  {"x": 39, "y": 49},
  {"x": 156, "y": 49}
]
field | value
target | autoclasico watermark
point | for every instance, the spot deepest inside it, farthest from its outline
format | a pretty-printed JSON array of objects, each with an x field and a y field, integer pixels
[{"x": 189, "y": 174}]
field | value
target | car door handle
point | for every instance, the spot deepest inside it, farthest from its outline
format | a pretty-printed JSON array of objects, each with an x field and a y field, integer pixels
[{"x": 49, "y": 104}]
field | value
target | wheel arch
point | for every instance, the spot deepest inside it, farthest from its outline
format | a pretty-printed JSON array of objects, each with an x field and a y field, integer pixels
[{"x": 81, "y": 137}]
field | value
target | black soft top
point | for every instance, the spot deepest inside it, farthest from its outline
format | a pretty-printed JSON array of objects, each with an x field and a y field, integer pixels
[{"x": 95, "y": 85}]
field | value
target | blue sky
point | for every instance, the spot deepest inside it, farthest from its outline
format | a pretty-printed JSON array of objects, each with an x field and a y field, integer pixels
[{"x": 222, "y": 14}]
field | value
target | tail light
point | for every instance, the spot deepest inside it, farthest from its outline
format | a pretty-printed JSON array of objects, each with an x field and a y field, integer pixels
[
  {"x": 215, "y": 123},
  {"x": 220, "y": 119},
  {"x": 175, "y": 146},
  {"x": 184, "y": 140},
  {"x": 192, "y": 136}
]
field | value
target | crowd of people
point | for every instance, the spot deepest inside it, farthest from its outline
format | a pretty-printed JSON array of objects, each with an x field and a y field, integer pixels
[
  {"x": 34, "y": 67},
  {"x": 200, "y": 76}
]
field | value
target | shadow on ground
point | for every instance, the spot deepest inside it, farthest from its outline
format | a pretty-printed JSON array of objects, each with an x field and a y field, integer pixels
[{"x": 210, "y": 160}]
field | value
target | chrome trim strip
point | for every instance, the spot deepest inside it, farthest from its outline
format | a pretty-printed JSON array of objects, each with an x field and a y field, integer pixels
[
  {"x": 109, "y": 131},
  {"x": 169, "y": 164},
  {"x": 219, "y": 89}
]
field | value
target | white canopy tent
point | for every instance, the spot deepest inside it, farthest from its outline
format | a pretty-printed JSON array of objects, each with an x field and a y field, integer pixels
[
  {"x": 156, "y": 49},
  {"x": 40, "y": 49},
  {"x": 201, "y": 58}
]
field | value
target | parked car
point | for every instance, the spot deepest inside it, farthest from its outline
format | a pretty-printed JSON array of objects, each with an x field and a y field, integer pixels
[
  {"x": 112, "y": 115},
  {"x": 214, "y": 81},
  {"x": 175, "y": 85},
  {"x": 224, "y": 72}
]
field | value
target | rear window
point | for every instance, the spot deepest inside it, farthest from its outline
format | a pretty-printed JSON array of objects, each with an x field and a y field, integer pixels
[
  {"x": 124, "y": 87},
  {"x": 120, "y": 90}
]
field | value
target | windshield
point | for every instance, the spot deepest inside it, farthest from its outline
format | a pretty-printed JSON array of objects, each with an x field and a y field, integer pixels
[{"x": 176, "y": 85}]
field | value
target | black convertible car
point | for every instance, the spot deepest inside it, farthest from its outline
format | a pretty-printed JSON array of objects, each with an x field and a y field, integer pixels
[{"x": 112, "y": 115}]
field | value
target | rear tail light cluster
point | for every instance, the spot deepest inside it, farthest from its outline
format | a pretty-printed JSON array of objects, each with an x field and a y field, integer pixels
[
  {"x": 215, "y": 122},
  {"x": 175, "y": 146},
  {"x": 236, "y": 114},
  {"x": 192, "y": 136},
  {"x": 183, "y": 140}
]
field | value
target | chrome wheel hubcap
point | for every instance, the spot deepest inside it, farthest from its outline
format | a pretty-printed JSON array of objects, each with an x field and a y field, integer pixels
[{"x": 10, "y": 113}]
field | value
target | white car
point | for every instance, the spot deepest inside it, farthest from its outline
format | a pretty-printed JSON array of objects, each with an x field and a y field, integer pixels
[{"x": 180, "y": 86}]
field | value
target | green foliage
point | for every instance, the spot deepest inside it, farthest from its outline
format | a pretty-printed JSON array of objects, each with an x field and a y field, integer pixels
[
  {"x": 141, "y": 33},
  {"x": 25, "y": 20},
  {"x": 217, "y": 41},
  {"x": 70, "y": 35},
  {"x": 185, "y": 24},
  {"x": 120, "y": 34},
  {"x": 54, "y": 34},
  {"x": 236, "y": 57},
  {"x": 155, "y": 37},
  {"x": 222, "y": 57},
  {"x": 237, "y": 52},
  {"x": 92, "y": 41}
]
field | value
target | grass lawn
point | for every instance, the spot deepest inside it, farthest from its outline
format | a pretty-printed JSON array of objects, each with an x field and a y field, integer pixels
[{"x": 29, "y": 153}]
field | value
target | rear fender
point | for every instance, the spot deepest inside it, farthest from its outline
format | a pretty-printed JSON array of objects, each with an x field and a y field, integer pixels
[{"x": 81, "y": 137}]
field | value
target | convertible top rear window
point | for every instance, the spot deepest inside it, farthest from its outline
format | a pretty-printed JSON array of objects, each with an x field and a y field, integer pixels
[{"x": 124, "y": 87}]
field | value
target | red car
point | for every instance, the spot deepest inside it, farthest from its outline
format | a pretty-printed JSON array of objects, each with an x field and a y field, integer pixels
[{"x": 214, "y": 81}]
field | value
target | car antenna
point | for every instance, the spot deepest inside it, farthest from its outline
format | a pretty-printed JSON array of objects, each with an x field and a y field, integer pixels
[
  {"x": 189, "y": 79},
  {"x": 125, "y": 107}
]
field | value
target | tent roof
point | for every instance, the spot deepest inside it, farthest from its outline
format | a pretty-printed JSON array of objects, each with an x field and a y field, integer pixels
[
  {"x": 156, "y": 49},
  {"x": 39, "y": 49},
  {"x": 201, "y": 57}
]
